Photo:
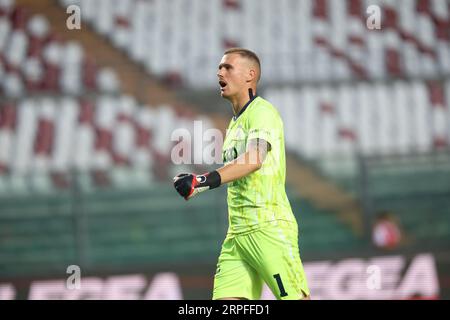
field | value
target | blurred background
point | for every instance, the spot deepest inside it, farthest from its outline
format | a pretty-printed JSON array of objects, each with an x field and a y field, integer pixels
[{"x": 92, "y": 90}]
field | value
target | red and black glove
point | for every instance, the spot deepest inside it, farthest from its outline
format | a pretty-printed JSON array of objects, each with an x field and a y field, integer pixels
[{"x": 189, "y": 184}]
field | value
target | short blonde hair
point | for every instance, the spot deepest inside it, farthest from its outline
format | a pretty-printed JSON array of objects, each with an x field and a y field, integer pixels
[{"x": 246, "y": 54}]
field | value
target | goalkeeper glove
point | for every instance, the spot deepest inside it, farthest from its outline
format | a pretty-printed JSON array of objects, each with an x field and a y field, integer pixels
[{"x": 189, "y": 184}]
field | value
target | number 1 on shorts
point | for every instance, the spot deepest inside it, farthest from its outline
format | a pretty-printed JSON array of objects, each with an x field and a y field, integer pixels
[{"x": 277, "y": 277}]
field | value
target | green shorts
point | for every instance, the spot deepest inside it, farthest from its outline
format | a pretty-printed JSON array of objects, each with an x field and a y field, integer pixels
[{"x": 269, "y": 254}]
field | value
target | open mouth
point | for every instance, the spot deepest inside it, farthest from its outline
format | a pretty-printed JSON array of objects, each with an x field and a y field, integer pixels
[{"x": 222, "y": 84}]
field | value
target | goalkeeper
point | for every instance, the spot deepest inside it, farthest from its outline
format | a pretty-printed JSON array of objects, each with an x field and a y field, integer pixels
[{"x": 262, "y": 239}]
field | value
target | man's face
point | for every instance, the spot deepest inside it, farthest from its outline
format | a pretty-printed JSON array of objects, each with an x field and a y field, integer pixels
[{"x": 232, "y": 74}]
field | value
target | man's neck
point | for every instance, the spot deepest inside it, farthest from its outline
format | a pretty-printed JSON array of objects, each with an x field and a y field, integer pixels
[{"x": 239, "y": 102}]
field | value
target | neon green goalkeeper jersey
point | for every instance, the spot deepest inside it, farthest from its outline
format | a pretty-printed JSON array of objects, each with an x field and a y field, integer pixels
[{"x": 260, "y": 197}]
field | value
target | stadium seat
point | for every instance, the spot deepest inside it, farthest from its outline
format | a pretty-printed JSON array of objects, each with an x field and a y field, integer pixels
[
  {"x": 26, "y": 129},
  {"x": 422, "y": 117},
  {"x": 366, "y": 123},
  {"x": 328, "y": 123},
  {"x": 345, "y": 116},
  {"x": 7, "y": 123},
  {"x": 73, "y": 142},
  {"x": 13, "y": 86},
  {"x": 66, "y": 130},
  {"x": 309, "y": 116},
  {"x": 415, "y": 34},
  {"x": 373, "y": 119},
  {"x": 17, "y": 49},
  {"x": 402, "y": 116},
  {"x": 5, "y": 29},
  {"x": 440, "y": 116}
]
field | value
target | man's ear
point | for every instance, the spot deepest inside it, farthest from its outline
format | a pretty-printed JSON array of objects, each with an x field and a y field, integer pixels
[{"x": 251, "y": 75}]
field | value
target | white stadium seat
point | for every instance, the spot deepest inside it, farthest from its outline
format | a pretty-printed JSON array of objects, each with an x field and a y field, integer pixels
[
  {"x": 25, "y": 133},
  {"x": 66, "y": 144},
  {"x": 164, "y": 126},
  {"x": 5, "y": 29},
  {"x": 107, "y": 80},
  {"x": 373, "y": 119},
  {"x": 402, "y": 117},
  {"x": 16, "y": 51},
  {"x": 84, "y": 145},
  {"x": 366, "y": 120},
  {"x": 308, "y": 122},
  {"x": 339, "y": 90},
  {"x": 123, "y": 135},
  {"x": 327, "y": 129},
  {"x": 13, "y": 86},
  {"x": 421, "y": 117},
  {"x": 186, "y": 38},
  {"x": 7, "y": 135},
  {"x": 38, "y": 26}
]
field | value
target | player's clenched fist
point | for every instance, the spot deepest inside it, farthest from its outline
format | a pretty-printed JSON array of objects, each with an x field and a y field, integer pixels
[{"x": 189, "y": 184}]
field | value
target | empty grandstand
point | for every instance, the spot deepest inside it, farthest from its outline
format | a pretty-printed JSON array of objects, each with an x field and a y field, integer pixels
[{"x": 87, "y": 117}]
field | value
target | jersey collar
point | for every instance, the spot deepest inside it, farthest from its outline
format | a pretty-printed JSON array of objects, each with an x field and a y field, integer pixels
[{"x": 244, "y": 107}]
